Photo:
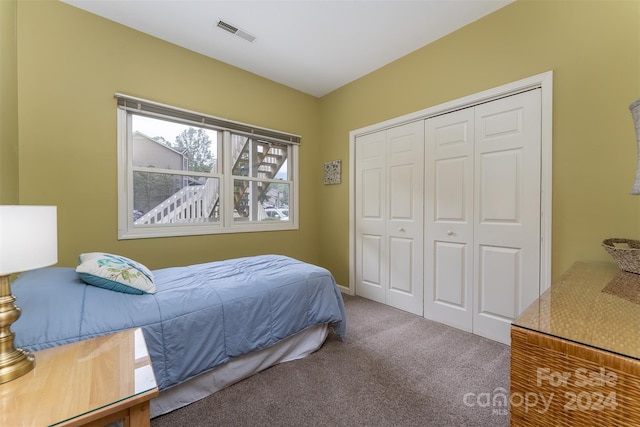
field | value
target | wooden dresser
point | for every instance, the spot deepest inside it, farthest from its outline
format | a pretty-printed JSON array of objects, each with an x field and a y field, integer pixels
[{"x": 575, "y": 352}]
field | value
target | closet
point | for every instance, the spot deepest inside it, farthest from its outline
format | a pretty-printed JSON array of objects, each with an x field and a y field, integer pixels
[{"x": 447, "y": 217}]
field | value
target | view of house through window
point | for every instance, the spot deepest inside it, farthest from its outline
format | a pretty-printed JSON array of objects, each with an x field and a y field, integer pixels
[
  {"x": 184, "y": 174},
  {"x": 172, "y": 196}
]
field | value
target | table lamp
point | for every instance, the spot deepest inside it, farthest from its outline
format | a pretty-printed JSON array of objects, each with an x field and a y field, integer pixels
[{"x": 28, "y": 240}]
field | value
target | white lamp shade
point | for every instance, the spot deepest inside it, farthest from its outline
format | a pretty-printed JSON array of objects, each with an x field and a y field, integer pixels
[{"x": 28, "y": 238}]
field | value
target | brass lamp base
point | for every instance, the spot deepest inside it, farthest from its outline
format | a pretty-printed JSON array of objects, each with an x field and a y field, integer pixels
[
  {"x": 16, "y": 365},
  {"x": 14, "y": 362}
]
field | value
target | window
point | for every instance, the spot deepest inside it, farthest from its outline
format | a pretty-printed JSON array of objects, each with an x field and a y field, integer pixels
[{"x": 184, "y": 173}]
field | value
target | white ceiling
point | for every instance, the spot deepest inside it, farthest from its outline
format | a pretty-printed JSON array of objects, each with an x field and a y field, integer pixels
[{"x": 315, "y": 46}]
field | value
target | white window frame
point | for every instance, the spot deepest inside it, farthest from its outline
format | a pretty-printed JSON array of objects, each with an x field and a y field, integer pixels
[{"x": 128, "y": 105}]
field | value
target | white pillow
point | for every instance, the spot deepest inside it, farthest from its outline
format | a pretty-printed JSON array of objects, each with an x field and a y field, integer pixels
[{"x": 116, "y": 273}]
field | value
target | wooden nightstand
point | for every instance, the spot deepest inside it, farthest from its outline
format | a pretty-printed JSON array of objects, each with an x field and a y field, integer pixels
[{"x": 91, "y": 382}]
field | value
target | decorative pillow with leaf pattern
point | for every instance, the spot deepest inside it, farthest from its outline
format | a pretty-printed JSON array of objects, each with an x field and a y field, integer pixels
[{"x": 116, "y": 273}]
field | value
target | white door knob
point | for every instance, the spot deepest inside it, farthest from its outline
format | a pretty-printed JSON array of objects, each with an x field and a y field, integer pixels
[
  {"x": 401, "y": 229},
  {"x": 449, "y": 233}
]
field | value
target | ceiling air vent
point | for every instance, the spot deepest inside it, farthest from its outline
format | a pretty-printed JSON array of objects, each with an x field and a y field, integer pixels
[{"x": 236, "y": 31}]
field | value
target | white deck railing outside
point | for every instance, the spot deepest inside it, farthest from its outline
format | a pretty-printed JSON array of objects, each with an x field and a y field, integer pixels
[{"x": 193, "y": 203}]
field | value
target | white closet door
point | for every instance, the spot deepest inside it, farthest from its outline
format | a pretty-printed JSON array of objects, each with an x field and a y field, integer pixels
[
  {"x": 449, "y": 219},
  {"x": 405, "y": 195},
  {"x": 370, "y": 237},
  {"x": 507, "y": 211},
  {"x": 482, "y": 219},
  {"x": 389, "y": 217}
]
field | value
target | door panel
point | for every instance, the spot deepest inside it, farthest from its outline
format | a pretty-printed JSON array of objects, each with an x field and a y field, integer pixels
[
  {"x": 400, "y": 192},
  {"x": 507, "y": 200},
  {"x": 405, "y": 166},
  {"x": 371, "y": 260},
  {"x": 389, "y": 217},
  {"x": 450, "y": 284},
  {"x": 372, "y": 187},
  {"x": 401, "y": 252},
  {"x": 449, "y": 181},
  {"x": 499, "y": 186},
  {"x": 499, "y": 272},
  {"x": 497, "y": 125},
  {"x": 449, "y": 218},
  {"x": 370, "y": 238}
]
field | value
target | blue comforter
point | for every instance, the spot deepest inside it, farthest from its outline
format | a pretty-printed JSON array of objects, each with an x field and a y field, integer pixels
[{"x": 200, "y": 317}]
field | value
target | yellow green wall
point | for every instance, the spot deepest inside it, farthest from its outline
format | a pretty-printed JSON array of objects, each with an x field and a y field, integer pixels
[
  {"x": 70, "y": 64},
  {"x": 593, "y": 47},
  {"x": 8, "y": 104}
]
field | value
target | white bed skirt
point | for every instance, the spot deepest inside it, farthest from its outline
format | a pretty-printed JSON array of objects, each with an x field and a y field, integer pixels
[{"x": 295, "y": 347}]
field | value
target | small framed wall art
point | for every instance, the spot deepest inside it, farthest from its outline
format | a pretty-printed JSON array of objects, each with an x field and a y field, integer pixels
[{"x": 333, "y": 172}]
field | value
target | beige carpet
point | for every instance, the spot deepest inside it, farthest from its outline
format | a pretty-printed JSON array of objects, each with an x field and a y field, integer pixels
[{"x": 393, "y": 369}]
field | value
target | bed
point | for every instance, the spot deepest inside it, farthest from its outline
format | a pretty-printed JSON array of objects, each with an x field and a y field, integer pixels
[{"x": 206, "y": 325}]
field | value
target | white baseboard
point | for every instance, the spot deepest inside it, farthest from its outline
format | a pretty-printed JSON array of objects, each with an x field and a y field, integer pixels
[{"x": 345, "y": 290}]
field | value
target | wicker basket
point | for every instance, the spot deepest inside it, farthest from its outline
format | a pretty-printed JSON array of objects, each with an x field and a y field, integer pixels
[{"x": 628, "y": 259}]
